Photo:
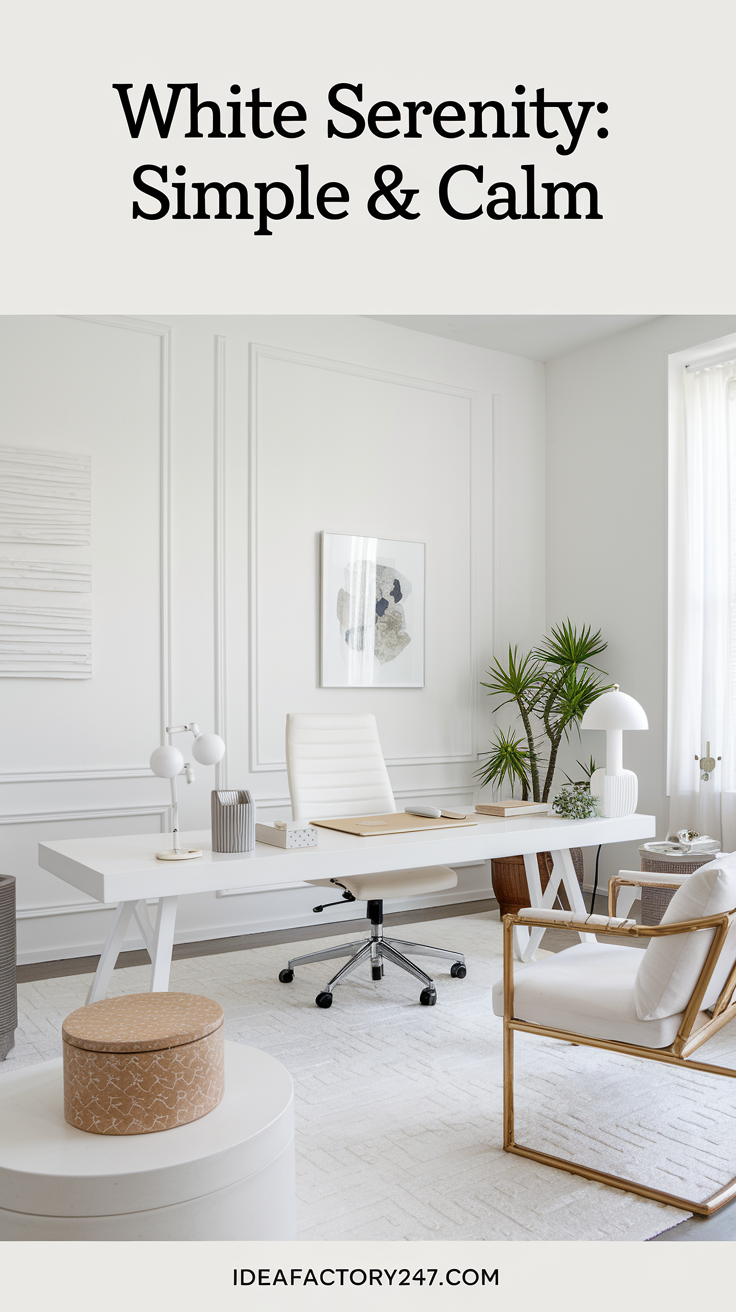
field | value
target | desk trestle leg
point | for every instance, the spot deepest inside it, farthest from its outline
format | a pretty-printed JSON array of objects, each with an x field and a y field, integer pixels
[{"x": 159, "y": 941}]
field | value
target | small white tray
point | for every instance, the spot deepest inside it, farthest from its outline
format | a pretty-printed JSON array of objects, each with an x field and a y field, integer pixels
[{"x": 301, "y": 836}]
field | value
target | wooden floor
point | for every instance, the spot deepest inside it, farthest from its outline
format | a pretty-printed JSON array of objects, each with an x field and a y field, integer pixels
[
  {"x": 720, "y": 1227},
  {"x": 242, "y": 942}
]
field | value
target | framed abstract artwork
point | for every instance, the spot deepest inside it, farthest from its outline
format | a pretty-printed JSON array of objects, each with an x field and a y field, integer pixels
[{"x": 372, "y": 624}]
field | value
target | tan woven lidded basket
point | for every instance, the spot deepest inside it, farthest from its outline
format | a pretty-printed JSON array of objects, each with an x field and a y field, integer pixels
[{"x": 143, "y": 1063}]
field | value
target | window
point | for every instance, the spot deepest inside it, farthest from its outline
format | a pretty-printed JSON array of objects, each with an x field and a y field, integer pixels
[{"x": 702, "y": 596}]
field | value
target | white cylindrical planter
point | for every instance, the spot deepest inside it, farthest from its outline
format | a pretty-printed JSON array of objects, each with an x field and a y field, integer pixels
[{"x": 229, "y": 1175}]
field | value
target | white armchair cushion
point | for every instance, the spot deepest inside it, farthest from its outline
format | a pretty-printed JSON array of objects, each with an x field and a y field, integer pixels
[
  {"x": 588, "y": 989},
  {"x": 670, "y": 966}
]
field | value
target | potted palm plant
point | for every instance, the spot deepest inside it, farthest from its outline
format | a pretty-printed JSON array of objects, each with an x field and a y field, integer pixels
[{"x": 551, "y": 688}]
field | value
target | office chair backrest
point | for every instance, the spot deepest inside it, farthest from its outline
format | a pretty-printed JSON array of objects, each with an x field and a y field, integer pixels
[{"x": 336, "y": 767}]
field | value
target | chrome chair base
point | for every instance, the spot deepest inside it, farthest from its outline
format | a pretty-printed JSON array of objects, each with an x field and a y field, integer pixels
[{"x": 375, "y": 951}]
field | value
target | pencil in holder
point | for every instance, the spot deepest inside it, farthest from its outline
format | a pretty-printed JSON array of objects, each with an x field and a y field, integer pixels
[{"x": 233, "y": 820}]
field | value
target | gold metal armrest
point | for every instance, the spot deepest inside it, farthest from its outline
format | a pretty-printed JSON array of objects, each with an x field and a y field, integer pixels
[
  {"x": 625, "y": 928},
  {"x": 619, "y": 881}
]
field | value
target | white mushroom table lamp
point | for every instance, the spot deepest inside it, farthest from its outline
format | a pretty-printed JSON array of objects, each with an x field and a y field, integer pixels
[
  {"x": 616, "y": 788},
  {"x": 168, "y": 763}
]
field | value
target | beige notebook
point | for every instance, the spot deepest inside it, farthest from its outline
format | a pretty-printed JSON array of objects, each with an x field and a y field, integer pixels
[{"x": 397, "y": 822}]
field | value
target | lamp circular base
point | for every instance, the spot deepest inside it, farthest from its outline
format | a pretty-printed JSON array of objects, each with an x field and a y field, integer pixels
[{"x": 183, "y": 854}]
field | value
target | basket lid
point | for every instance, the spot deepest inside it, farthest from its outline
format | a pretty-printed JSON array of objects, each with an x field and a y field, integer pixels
[
  {"x": 142, "y": 1022},
  {"x": 661, "y": 852}
]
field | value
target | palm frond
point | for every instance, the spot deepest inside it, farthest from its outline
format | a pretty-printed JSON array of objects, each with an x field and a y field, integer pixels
[
  {"x": 509, "y": 759},
  {"x": 566, "y": 647}
]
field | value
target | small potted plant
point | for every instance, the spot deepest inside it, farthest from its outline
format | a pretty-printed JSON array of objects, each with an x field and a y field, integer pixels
[{"x": 575, "y": 801}]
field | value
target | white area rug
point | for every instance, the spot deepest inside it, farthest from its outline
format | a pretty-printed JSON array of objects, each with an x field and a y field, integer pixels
[{"x": 399, "y": 1106}]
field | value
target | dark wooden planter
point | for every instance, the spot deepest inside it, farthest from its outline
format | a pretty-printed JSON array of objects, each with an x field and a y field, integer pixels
[{"x": 510, "y": 888}]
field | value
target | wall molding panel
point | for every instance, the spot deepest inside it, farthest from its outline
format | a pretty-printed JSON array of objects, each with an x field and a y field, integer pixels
[
  {"x": 58, "y": 817},
  {"x": 75, "y": 776},
  {"x": 257, "y": 353},
  {"x": 90, "y": 813},
  {"x": 440, "y": 790}
]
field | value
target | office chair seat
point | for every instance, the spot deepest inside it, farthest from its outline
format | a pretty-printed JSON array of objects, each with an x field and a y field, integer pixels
[
  {"x": 336, "y": 768},
  {"x": 394, "y": 883}
]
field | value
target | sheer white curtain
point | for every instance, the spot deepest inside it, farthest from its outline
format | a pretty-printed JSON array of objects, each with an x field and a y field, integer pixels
[{"x": 702, "y": 604}]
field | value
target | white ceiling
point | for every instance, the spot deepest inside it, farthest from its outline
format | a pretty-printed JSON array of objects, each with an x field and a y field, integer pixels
[{"x": 536, "y": 336}]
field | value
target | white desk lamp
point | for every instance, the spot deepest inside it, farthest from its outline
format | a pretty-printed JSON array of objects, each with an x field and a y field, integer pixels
[
  {"x": 617, "y": 789},
  {"x": 167, "y": 762}
]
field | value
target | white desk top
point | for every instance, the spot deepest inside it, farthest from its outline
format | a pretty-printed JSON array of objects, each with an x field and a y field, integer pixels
[{"x": 125, "y": 869}]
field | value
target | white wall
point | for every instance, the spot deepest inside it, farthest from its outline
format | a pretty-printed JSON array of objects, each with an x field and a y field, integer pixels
[
  {"x": 221, "y": 447},
  {"x": 607, "y": 526}
]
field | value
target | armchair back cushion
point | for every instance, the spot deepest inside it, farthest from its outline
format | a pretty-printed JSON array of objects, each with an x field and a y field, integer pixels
[
  {"x": 335, "y": 767},
  {"x": 671, "y": 966}
]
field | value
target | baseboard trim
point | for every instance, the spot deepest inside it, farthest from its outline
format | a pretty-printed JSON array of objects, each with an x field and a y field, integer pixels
[{"x": 211, "y": 947}]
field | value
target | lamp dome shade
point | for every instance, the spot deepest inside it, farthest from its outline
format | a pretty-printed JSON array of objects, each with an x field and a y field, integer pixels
[
  {"x": 615, "y": 710},
  {"x": 166, "y": 762},
  {"x": 208, "y": 749}
]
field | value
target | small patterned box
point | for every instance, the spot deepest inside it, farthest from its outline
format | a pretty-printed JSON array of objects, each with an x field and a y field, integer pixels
[
  {"x": 143, "y": 1062},
  {"x": 296, "y": 834}
]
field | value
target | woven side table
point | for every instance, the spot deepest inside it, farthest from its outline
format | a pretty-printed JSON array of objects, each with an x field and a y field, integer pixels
[
  {"x": 8, "y": 985},
  {"x": 655, "y": 901}
]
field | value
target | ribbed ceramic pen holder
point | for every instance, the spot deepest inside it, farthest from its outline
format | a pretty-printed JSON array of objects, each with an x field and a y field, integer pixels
[{"x": 233, "y": 820}]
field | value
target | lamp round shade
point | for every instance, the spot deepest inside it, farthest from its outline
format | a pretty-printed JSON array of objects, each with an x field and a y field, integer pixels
[
  {"x": 615, "y": 710},
  {"x": 208, "y": 749},
  {"x": 166, "y": 762}
]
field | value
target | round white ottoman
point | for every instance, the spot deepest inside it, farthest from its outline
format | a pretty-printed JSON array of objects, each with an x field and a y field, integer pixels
[{"x": 229, "y": 1175}]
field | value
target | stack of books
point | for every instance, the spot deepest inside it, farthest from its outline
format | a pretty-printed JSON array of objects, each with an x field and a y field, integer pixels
[{"x": 511, "y": 808}]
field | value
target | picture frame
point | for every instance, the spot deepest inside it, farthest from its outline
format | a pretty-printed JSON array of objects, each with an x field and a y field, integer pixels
[{"x": 372, "y": 612}]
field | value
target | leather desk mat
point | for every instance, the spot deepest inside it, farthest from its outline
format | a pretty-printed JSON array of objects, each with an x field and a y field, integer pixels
[{"x": 396, "y": 822}]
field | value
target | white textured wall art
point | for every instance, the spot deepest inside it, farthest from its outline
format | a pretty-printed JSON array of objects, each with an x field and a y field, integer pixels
[
  {"x": 45, "y": 642},
  {"x": 45, "y": 496},
  {"x": 45, "y": 513},
  {"x": 45, "y": 576}
]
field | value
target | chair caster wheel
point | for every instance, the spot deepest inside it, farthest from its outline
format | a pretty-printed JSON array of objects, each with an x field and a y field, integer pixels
[
  {"x": 458, "y": 970},
  {"x": 428, "y": 997},
  {"x": 286, "y": 976},
  {"x": 324, "y": 999},
  {"x": 376, "y": 972}
]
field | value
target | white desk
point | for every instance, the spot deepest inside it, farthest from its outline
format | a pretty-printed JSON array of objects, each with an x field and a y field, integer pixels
[{"x": 125, "y": 870}]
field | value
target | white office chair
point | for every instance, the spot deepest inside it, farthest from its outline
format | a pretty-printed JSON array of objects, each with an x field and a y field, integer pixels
[{"x": 336, "y": 768}]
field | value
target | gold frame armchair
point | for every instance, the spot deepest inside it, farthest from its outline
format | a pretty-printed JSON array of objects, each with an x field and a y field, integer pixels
[{"x": 692, "y": 1032}]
